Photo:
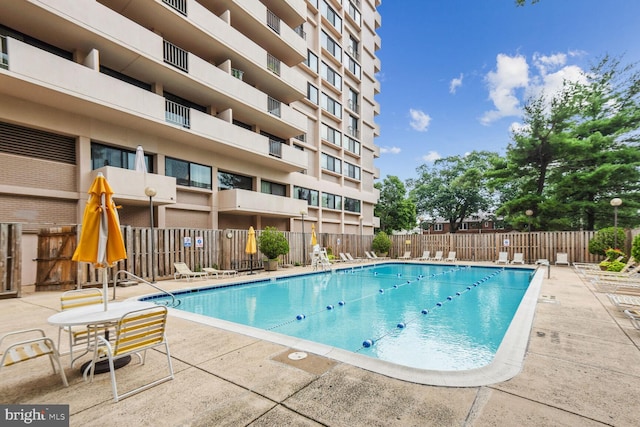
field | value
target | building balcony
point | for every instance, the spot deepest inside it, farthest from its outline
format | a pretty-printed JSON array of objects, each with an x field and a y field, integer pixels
[
  {"x": 128, "y": 186},
  {"x": 84, "y": 91},
  {"x": 245, "y": 202}
]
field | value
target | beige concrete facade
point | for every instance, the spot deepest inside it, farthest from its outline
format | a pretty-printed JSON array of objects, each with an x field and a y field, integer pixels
[{"x": 205, "y": 87}]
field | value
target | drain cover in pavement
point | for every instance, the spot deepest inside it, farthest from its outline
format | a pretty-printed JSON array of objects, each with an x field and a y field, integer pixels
[{"x": 297, "y": 355}]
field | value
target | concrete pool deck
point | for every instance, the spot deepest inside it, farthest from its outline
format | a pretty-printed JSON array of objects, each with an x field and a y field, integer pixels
[{"x": 581, "y": 367}]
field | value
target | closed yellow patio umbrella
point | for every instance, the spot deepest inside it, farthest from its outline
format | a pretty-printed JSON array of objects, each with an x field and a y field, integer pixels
[
  {"x": 251, "y": 247},
  {"x": 314, "y": 238},
  {"x": 101, "y": 242}
]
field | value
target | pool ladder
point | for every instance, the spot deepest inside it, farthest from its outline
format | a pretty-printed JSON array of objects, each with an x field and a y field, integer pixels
[{"x": 174, "y": 302}]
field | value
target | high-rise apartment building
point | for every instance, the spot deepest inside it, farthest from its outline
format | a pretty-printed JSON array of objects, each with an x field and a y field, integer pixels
[{"x": 249, "y": 112}]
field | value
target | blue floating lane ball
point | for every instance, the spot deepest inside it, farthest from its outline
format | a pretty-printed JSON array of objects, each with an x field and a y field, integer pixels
[
  {"x": 367, "y": 343},
  {"x": 329, "y": 307},
  {"x": 458, "y": 293},
  {"x": 449, "y": 298},
  {"x": 468, "y": 288},
  {"x": 381, "y": 291},
  {"x": 401, "y": 325},
  {"x": 439, "y": 304},
  {"x": 300, "y": 316},
  {"x": 425, "y": 311},
  {"x": 375, "y": 273},
  {"x": 395, "y": 286},
  {"x": 341, "y": 302}
]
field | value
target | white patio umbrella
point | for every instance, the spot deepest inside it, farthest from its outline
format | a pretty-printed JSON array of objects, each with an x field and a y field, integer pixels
[{"x": 140, "y": 165}]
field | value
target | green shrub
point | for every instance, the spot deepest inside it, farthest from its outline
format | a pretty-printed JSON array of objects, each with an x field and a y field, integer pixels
[
  {"x": 604, "y": 239},
  {"x": 615, "y": 266},
  {"x": 614, "y": 254},
  {"x": 273, "y": 243},
  {"x": 381, "y": 243},
  {"x": 635, "y": 248}
]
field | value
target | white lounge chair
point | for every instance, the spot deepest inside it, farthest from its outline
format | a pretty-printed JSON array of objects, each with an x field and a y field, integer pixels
[
  {"x": 562, "y": 258},
  {"x": 623, "y": 302},
  {"x": 437, "y": 256},
  {"x": 184, "y": 272},
  {"x": 503, "y": 257},
  {"x": 407, "y": 255},
  {"x": 426, "y": 255},
  {"x": 518, "y": 258},
  {"x": 451, "y": 257},
  {"x": 343, "y": 257},
  {"x": 373, "y": 254},
  {"x": 215, "y": 272},
  {"x": 634, "y": 316},
  {"x": 352, "y": 259}
]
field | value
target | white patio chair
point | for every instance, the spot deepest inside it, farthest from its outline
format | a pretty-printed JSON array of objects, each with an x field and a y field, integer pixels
[
  {"x": 518, "y": 258},
  {"x": 503, "y": 257}
]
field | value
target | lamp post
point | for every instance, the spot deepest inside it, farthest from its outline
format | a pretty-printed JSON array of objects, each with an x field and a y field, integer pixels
[
  {"x": 304, "y": 244},
  {"x": 615, "y": 203},
  {"x": 529, "y": 213},
  {"x": 151, "y": 192},
  {"x": 361, "y": 242}
]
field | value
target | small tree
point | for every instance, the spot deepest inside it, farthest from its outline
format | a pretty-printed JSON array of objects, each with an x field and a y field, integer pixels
[
  {"x": 381, "y": 243},
  {"x": 273, "y": 243}
]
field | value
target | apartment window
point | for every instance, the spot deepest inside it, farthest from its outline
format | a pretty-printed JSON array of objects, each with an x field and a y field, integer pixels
[
  {"x": 331, "y": 163},
  {"x": 354, "y": 13},
  {"x": 331, "y": 15},
  {"x": 353, "y": 126},
  {"x": 312, "y": 93},
  {"x": 312, "y": 61},
  {"x": 276, "y": 189},
  {"x": 104, "y": 155},
  {"x": 188, "y": 173},
  {"x": 351, "y": 205},
  {"x": 301, "y": 193},
  {"x": 330, "y": 75},
  {"x": 353, "y": 48},
  {"x": 331, "y": 105},
  {"x": 331, "y": 201},
  {"x": 352, "y": 100},
  {"x": 464, "y": 226},
  {"x": 330, "y": 134},
  {"x": 331, "y": 46},
  {"x": 353, "y": 67},
  {"x": 351, "y": 145},
  {"x": 352, "y": 171},
  {"x": 229, "y": 181},
  {"x": 438, "y": 227}
]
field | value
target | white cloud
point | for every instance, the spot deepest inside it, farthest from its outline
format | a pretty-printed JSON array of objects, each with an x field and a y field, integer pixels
[
  {"x": 431, "y": 156},
  {"x": 512, "y": 73},
  {"x": 455, "y": 84},
  {"x": 419, "y": 120},
  {"x": 390, "y": 150}
]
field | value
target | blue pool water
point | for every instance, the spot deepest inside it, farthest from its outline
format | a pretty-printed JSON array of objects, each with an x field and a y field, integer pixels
[{"x": 435, "y": 317}]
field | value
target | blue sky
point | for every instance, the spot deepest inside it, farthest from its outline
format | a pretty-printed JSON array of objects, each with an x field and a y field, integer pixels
[{"x": 455, "y": 73}]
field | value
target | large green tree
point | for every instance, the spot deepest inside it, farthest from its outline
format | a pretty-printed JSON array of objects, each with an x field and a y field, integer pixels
[
  {"x": 454, "y": 188},
  {"x": 395, "y": 210},
  {"x": 576, "y": 151}
]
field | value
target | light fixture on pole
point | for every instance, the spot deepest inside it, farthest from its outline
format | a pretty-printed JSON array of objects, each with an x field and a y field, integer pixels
[
  {"x": 361, "y": 242},
  {"x": 304, "y": 245},
  {"x": 151, "y": 192},
  {"x": 529, "y": 213},
  {"x": 615, "y": 203}
]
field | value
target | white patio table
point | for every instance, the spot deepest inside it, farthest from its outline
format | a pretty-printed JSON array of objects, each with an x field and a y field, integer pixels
[{"x": 96, "y": 315}]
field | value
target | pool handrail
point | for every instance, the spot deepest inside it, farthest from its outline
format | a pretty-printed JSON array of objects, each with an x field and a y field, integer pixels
[{"x": 140, "y": 279}]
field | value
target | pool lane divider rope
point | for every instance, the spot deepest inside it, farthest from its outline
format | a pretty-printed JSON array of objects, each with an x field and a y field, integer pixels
[
  {"x": 329, "y": 307},
  {"x": 401, "y": 325}
]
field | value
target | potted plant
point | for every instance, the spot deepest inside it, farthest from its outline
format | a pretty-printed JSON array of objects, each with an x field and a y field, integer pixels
[
  {"x": 272, "y": 243},
  {"x": 381, "y": 244}
]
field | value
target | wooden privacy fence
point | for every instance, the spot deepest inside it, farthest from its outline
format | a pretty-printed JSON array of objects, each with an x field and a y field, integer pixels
[
  {"x": 200, "y": 248},
  {"x": 10, "y": 260}
]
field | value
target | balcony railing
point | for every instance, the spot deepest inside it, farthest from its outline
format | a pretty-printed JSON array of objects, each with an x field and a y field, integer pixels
[
  {"x": 176, "y": 56},
  {"x": 273, "y": 64},
  {"x": 299, "y": 30},
  {"x": 238, "y": 74},
  {"x": 177, "y": 114},
  {"x": 177, "y": 5},
  {"x": 353, "y": 106},
  {"x": 273, "y": 21},
  {"x": 354, "y": 132},
  {"x": 274, "y": 106},
  {"x": 275, "y": 148},
  {"x": 4, "y": 56}
]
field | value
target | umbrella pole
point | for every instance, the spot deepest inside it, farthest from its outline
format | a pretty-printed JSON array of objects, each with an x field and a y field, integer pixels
[
  {"x": 251, "y": 264},
  {"x": 105, "y": 287}
]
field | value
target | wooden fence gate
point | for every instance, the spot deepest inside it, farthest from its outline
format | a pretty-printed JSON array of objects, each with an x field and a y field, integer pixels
[{"x": 55, "y": 270}]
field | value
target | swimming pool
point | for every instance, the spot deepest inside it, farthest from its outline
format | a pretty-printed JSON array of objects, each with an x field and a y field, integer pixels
[{"x": 406, "y": 320}]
